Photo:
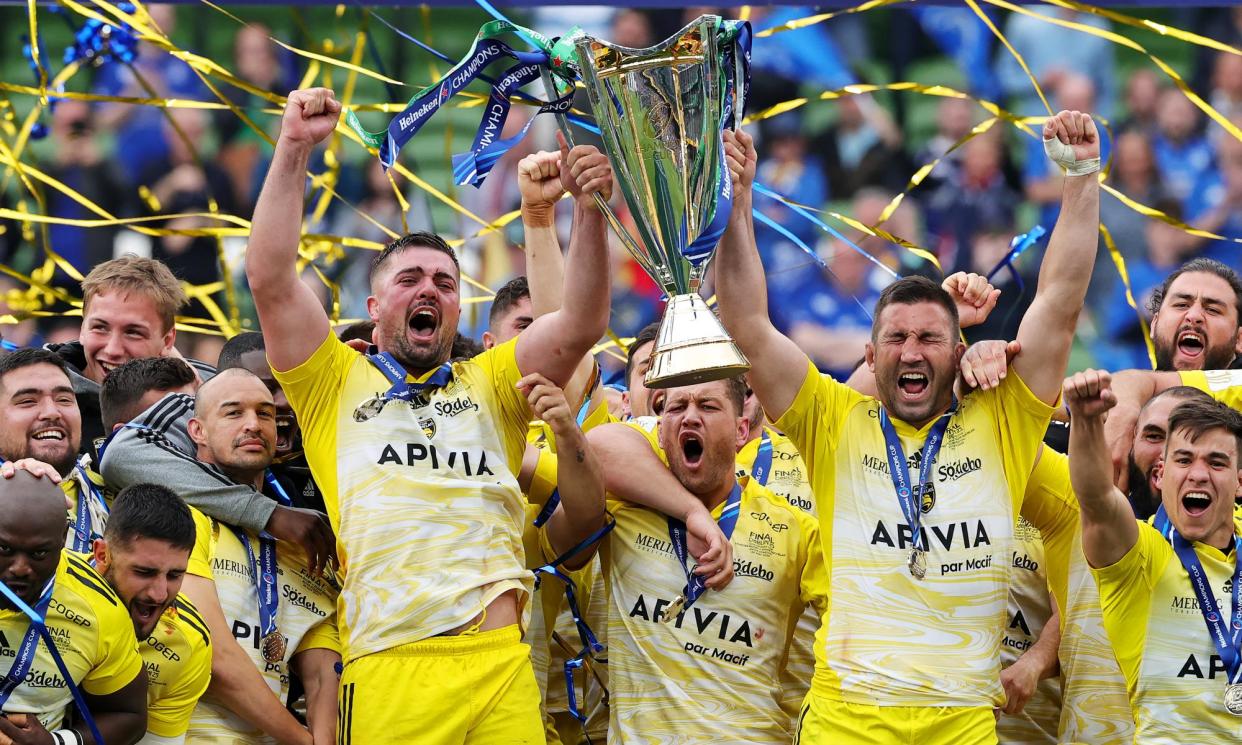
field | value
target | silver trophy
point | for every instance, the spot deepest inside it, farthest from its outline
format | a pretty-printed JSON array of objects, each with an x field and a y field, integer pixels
[{"x": 660, "y": 111}]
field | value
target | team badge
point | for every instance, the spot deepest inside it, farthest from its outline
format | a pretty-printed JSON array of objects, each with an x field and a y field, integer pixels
[
  {"x": 429, "y": 426},
  {"x": 928, "y": 495}
]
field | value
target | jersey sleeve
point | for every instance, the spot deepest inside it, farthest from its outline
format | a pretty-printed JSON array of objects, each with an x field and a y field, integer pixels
[
  {"x": 1050, "y": 505},
  {"x": 117, "y": 661},
  {"x": 1223, "y": 385},
  {"x": 814, "y": 582},
  {"x": 1125, "y": 597},
  {"x": 322, "y": 636},
  {"x": 204, "y": 546},
  {"x": 814, "y": 419},
  {"x": 314, "y": 390},
  {"x": 1021, "y": 420},
  {"x": 169, "y": 716}
]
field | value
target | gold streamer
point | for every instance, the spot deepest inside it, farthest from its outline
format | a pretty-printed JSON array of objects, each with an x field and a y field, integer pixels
[{"x": 1120, "y": 263}]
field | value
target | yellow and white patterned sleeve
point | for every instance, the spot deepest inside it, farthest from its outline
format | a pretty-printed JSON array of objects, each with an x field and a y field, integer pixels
[
  {"x": 314, "y": 389},
  {"x": 1125, "y": 597},
  {"x": 814, "y": 582},
  {"x": 1050, "y": 505},
  {"x": 813, "y": 421}
]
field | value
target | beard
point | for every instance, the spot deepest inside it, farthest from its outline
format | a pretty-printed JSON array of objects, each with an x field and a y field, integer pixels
[
  {"x": 418, "y": 357},
  {"x": 1219, "y": 357},
  {"x": 1143, "y": 500}
]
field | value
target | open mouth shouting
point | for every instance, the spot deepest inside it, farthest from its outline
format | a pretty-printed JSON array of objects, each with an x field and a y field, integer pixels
[
  {"x": 423, "y": 323},
  {"x": 1196, "y": 503},
  {"x": 145, "y": 615},
  {"x": 1191, "y": 344},
  {"x": 691, "y": 449},
  {"x": 912, "y": 384},
  {"x": 285, "y": 424}
]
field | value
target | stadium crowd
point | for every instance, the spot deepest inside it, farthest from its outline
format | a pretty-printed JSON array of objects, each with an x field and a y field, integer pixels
[{"x": 389, "y": 531}]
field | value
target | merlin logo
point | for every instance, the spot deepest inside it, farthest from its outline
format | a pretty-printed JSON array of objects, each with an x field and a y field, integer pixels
[
  {"x": 957, "y": 469},
  {"x": 747, "y": 568},
  {"x": 428, "y": 426},
  {"x": 880, "y": 465},
  {"x": 653, "y": 545}
]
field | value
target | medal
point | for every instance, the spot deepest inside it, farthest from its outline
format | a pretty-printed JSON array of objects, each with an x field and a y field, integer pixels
[
  {"x": 1224, "y": 630},
  {"x": 274, "y": 646},
  {"x": 674, "y": 609},
  {"x": 370, "y": 408},
  {"x": 1233, "y": 699},
  {"x": 695, "y": 585},
  {"x": 918, "y": 563}
]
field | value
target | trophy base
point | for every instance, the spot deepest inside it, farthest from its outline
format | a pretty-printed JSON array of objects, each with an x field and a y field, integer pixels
[{"x": 692, "y": 347}]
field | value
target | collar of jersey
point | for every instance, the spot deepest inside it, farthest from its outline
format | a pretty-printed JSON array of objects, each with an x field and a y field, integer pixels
[{"x": 905, "y": 429}]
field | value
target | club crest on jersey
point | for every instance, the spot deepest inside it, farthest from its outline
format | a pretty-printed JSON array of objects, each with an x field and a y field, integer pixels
[
  {"x": 428, "y": 426},
  {"x": 928, "y": 497}
]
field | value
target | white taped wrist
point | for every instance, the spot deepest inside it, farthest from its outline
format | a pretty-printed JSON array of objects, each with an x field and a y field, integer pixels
[
  {"x": 1063, "y": 155},
  {"x": 67, "y": 737}
]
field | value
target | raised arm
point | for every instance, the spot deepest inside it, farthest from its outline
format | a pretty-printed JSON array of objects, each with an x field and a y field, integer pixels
[
  {"x": 1047, "y": 330},
  {"x": 1109, "y": 530},
  {"x": 556, "y": 342},
  {"x": 1132, "y": 389},
  {"x": 579, "y": 477},
  {"x": 235, "y": 681},
  {"x": 541, "y": 185},
  {"x": 294, "y": 323},
  {"x": 633, "y": 472},
  {"x": 777, "y": 364}
]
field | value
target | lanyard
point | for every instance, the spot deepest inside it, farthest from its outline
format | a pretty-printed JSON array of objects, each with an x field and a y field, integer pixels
[
  {"x": 83, "y": 532},
  {"x": 696, "y": 585},
  {"x": 38, "y": 623},
  {"x": 911, "y": 506},
  {"x": 27, "y": 650},
  {"x": 1225, "y": 633},
  {"x": 401, "y": 390},
  {"x": 1162, "y": 523},
  {"x": 263, "y": 568},
  {"x": 760, "y": 469}
]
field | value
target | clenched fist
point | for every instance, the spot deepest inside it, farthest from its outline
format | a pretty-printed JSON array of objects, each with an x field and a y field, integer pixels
[
  {"x": 1089, "y": 394},
  {"x": 310, "y": 116},
  {"x": 585, "y": 171}
]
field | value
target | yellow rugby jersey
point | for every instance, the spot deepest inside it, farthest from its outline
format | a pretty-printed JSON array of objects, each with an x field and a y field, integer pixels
[
  {"x": 93, "y": 634},
  {"x": 1030, "y": 608},
  {"x": 423, "y": 496},
  {"x": 177, "y": 656},
  {"x": 1223, "y": 385},
  {"x": 86, "y": 482},
  {"x": 887, "y": 638},
  {"x": 788, "y": 478},
  {"x": 305, "y": 616},
  {"x": 1174, "y": 677},
  {"x": 713, "y": 674}
]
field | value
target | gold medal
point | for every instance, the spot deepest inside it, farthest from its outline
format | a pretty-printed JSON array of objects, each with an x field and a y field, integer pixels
[
  {"x": 370, "y": 408},
  {"x": 918, "y": 563},
  {"x": 674, "y": 608},
  {"x": 274, "y": 647},
  {"x": 1233, "y": 699}
]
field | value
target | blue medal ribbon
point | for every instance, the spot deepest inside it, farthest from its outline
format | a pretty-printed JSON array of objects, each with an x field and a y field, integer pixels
[
  {"x": 26, "y": 650},
  {"x": 1226, "y": 633},
  {"x": 760, "y": 469},
  {"x": 403, "y": 390},
  {"x": 911, "y": 504},
  {"x": 696, "y": 585},
  {"x": 263, "y": 568},
  {"x": 1162, "y": 524},
  {"x": 83, "y": 533},
  {"x": 38, "y": 622}
]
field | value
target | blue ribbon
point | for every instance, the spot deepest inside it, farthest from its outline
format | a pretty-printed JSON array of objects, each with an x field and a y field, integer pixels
[
  {"x": 1162, "y": 524},
  {"x": 39, "y": 623},
  {"x": 910, "y": 508},
  {"x": 1225, "y": 634},
  {"x": 763, "y": 460},
  {"x": 403, "y": 390},
  {"x": 277, "y": 489},
  {"x": 1019, "y": 244},
  {"x": 264, "y": 571},
  {"x": 696, "y": 585},
  {"x": 83, "y": 533},
  {"x": 549, "y": 507},
  {"x": 27, "y": 650}
]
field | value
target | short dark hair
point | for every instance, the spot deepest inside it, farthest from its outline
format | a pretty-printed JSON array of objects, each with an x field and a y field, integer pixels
[
  {"x": 647, "y": 335},
  {"x": 1197, "y": 417},
  {"x": 911, "y": 290},
  {"x": 506, "y": 297},
  {"x": 29, "y": 356},
  {"x": 420, "y": 239},
  {"x": 127, "y": 384},
  {"x": 1181, "y": 393},
  {"x": 363, "y": 330},
  {"x": 735, "y": 389},
  {"x": 150, "y": 511},
  {"x": 465, "y": 348},
  {"x": 241, "y": 344},
  {"x": 1206, "y": 266}
]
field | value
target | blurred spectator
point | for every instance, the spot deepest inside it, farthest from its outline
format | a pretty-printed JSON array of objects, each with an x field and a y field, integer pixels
[
  {"x": 141, "y": 139},
  {"x": 1223, "y": 215},
  {"x": 827, "y": 311},
  {"x": 1121, "y": 337},
  {"x": 242, "y": 150},
  {"x": 1052, "y": 52},
  {"x": 954, "y": 119},
  {"x": 1041, "y": 177},
  {"x": 1184, "y": 156},
  {"x": 863, "y": 148},
  {"x": 1226, "y": 91},
  {"x": 79, "y": 165},
  {"x": 181, "y": 184},
  {"x": 970, "y": 200},
  {"x": 631, "y": 28},
  {"x": 1142, "y": 95},
  {"x": 1134, "y": 174},
  {"x": 789, "y": 170},
  {"x": 966, "y": 39}
]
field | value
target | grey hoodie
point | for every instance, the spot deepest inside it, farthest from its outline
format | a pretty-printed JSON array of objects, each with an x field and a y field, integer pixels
[{"x": 156, "y": 448}]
